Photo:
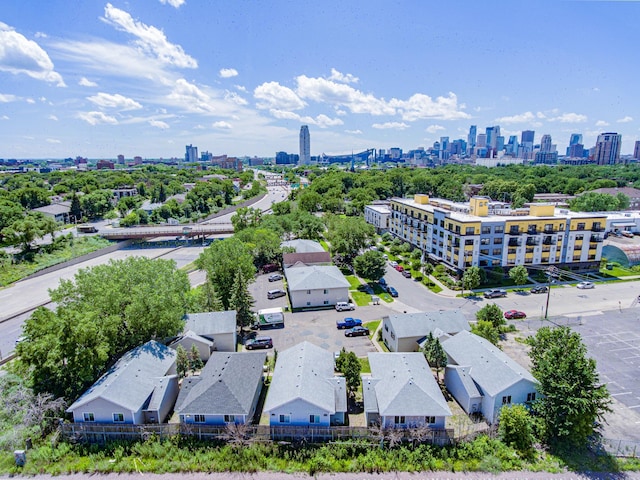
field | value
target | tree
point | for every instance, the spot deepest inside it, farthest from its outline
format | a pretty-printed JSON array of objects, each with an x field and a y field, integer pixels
[
  {"x": 471, "y": 278},
  {"x": 486, "y": 330},
  {"x": 349, "y": 365},
  {"x": 242, "y": 301},
  {"x": 348, "y": 236},
  {"x": 493, "y": 314},
  {"x": 76, "y": 209},
  {"x": 195, "y": 362},
  {"x": 370, "y": 265},
  {"x": 434, "y": 354},
  {"x": 25, "y": 230},
  {"x": 246, "y": 217},
  {"x": 571, "y": 395},
  {"x": 221, "y": 261},
  {"x": 182, "y": 361},
  {"x": 515, "y": 428},
  {"x": 263, "y": 243},
  {"x": 519, "y": 275}
]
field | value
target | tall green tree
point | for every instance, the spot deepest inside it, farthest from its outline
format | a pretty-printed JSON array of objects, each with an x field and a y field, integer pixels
[
  {"x": 246, "y": 217},
  {"x": 515, "y": 429},
  {"x": 434, "y": 354},
  {"x": 370, "y": 265},
  {"x": 242, "y": 301},
  {"x": 493, "y": 314},
  {"x": 348, "y": 236},
  {"x": 519, "y": 275},
  {"x": 76, "y": 209},
  {"x": 571, "y": 396},
  {"x": 182, "y": 361},
  {"x": 349, "y": 365},
  {"x": 486, "y": 330},
  {"x": 195, "y": 362},
  {"x": 471, "y": 278},
  {"x": 221, "y": 261}
]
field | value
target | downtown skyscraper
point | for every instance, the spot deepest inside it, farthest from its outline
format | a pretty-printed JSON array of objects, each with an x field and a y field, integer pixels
[
  {"x": 305, "y": 146},
  {"x": 608, "y": 148}
]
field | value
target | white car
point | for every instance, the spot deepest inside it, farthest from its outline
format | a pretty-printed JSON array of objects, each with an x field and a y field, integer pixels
[
  {"x": 393, "y": 263},
  {"x": 585, "y": 285}
]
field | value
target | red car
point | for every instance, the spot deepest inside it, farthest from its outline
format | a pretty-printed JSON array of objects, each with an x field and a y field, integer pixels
[
  {"x": 400, "y": 268},
  {"x": 513, "y": 314}
]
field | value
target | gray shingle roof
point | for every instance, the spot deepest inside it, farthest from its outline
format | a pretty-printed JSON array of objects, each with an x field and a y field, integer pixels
[
  {"x": 405, "y": 386},
  {"x": 303, "y": 246},
  {"x": 54, "y": 209},
  {"x": 130, "y": 382},
  {"x": 190, "y": 335},
  {"x": 421, "y": 323},
  {"x": 464, "y": 373},
  {"x": 315, "y": 277},
  {"x": 491, "y": 369},
  {"x": 211, "y": 323},
  {"x": 226, "y": 385},
  {"x": 305, "y": 372}
]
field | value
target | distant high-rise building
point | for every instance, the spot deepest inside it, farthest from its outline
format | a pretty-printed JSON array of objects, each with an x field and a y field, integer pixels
[
  {"x": 121, "y": 159},
  {"x": 512, "y": 145},
  {"x": 607, "y": 151},
  {"x": 499, "y": 143},
  {"x": 545, "y": 144},
  {"x": 482, "y": 141},
  {"x": 492, "y": 136},
  {"x": 576, "y": 147},
  {"x": 191, "y": 154},
  {"x": 305, "y": 145},
  {"x": 471, "y": 138},
  {"x": 636, "y": 150},
  {"x": 575, "y": 139},
  {"x": 527, "y": 136}
]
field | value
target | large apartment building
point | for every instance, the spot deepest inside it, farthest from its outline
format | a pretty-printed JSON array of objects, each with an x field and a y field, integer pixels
[{"x": 488, "y": 234}]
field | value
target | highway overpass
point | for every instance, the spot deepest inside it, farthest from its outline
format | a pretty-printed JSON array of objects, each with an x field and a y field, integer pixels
[{"x": 201, "y": 230}]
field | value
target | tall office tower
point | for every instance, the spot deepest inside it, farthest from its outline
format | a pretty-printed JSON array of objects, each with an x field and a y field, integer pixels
[
  {"x": 482, "y": 141},
  {"x": 499, "y": 143},
  {"x": 305, "y": 145},
  {"x": 527, "y": 136},
  {"x": 608, "y": 148},
  {"x": 575, "y": 139},
  {"x": 636, "y": 150},
  {"x": 191, "y": 154},
  {"x": 512, "y": 145},
  {"x": 545, "y": 144},
  {"x": 471, "y": 138}
]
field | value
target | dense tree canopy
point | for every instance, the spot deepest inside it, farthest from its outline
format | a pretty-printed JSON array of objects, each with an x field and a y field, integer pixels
[{"x": 370, "y": 265}]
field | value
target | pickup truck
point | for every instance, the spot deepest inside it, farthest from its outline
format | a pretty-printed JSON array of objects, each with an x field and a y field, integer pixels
[
  {"x": 348, "y": 323},
  {"x": 495, "y": 293}
]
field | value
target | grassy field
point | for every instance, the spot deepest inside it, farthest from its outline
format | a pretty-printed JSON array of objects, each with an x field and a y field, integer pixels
[{"x": 361, "y": 299}]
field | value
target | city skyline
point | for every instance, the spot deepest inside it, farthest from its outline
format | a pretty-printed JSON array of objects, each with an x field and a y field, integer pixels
[{"x": 101, "y": 78}]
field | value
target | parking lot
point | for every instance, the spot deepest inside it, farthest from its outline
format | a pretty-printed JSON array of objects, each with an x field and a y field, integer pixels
[{"x": 316, "y": 326}]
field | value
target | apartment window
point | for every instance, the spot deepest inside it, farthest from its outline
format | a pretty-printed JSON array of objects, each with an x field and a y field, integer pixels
[
  {"x": 285, "y": 419},
  {"x": 579, "y": 238},
  {"x": 308, "y": 292},
  {"x": 499, "y": 229},
  {"x": 531, "y": 397},
  {"x": 468, "y": 242},
  {"x": 458, "y": 229},
  {"x": 581, "y": 226},
  {"x": 399, "y": 420},
  {"x": 485, "y": 231},
  {"x": 314, "y": 418},
  {"x": 470, "y": 231},
  {"x": 326, "y": 291},
  {"x": 198, "y": 418},
  {"x": 229, "y": 419},
  {"x": 497, "y": 241},
  {"x": 484, "y": 241},
  {"x": 118, "y": 417},
  {"x": 484, "y": 251},
  {"x": 496, "y": 251},
  {"x": 511, "y": 251},
  {"x": 308, "y": 304},
  {"x": 576, "y": 258},
  {"x": 506, "y": 400},
  {"x": 326, "y": 302},
  {"x": 548, "y": 227},
  {"x": 514, "y": 230},
  {"x": 441, "y": 223},
  {"x": 88, "y": 417},
  {"x": 429, "y": 419}
]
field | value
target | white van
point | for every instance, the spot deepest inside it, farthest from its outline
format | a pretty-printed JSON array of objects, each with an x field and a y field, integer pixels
[{"x": 340, "y": 306}]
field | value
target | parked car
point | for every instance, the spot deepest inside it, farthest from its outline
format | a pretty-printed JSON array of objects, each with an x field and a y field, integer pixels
[
  {"x": 539, "y": 289},
  {"x": 340, "y": 306},
  {"x": 513, "y": 314},
  {"x": 348, "y": 322},
  {"x": 393, "y": 263},
  {"x": 392, "y": 291},
  {"x": 585, "y": 285},
  {"x": 400, "y": 268},
  {"x": 275, "y": 277},
  {"x": 357, "y": 332},
  {"x": 495, "y": 293},
  {"x": 406, "y": 274},
  {"x": 271, "y": 294},
  {"x": 259, "y": 342},
  {"x": 270, "y": 267},
  {"x": 382, "y": 282}
]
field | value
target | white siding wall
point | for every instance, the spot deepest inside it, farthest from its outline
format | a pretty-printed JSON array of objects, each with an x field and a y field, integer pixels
[
  {"x": 225, "y": 342},
  {"x": 491, "y": 405},
  {"x": 103, "y": 412},
  {"x": 389, "y": 422},
  {"x": 455, "y": 386},
  {"x": 298, "y": 412},
  {"x": 317, "y": 298},
  {"x": 203, "y": 348}
]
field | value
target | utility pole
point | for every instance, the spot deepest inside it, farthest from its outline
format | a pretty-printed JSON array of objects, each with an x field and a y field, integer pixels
[{"x": 550, "y": 272}]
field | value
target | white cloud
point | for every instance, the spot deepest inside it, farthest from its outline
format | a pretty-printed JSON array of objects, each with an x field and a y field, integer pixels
[
  {"x": 626, "y": 119},
  {"x": 97, "y": 118},
  {"x": 272, "y": 95},
  {"x": 85, "y": 82},
  {"x": 284, "y": 114},
  {"x": 106, "y": 100},
  {"x": 340, "y": 112},
  {"x": 241, "y": 88},
  {"x": 602, "y": 123},
  {"x": 30, "y": 100},
  {"x": 569, "y": 118},
  {"x": 520, "y": 118},
  {"x": 390, "y": 125},
  {"x": 323, "y": 121},
  {"x": 434, "y": 128},
  {"x": 325, "y": 91},
  {"x": 4, "y": 117},
  {"x": 354, "y": 132},
  {"x": 343, "y": 78},
  {"x": 228, "y": 72},
  {"x": 235, "y": 98},
  {"x": 53, "y": 140},
  {"x": 159, "y": 124},
  {"x": 190, "y": 97},
  {"x": 6, "y": 98},
  {"x": 221, "y": 125},
  {"x": 53, "y": 117},
  {"x": 150, "y": 39},
  {"x": 18, "y": 55},
  {"x": 420, "y": 106},
  {"x": 173, "y": 3}
]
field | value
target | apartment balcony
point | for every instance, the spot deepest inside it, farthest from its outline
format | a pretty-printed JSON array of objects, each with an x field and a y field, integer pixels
[
  {"x": 550, "y": 230},
  {"x": 514, "y": 242},
  {"x": 597, "y": 229},
  {"x": 549, "y": 241},
  {"x": 515, "y": 232},
  {"x": 597, "y": 239},
  {"x": 532, "y": 242},
  {"x": 532, "y": 231}
]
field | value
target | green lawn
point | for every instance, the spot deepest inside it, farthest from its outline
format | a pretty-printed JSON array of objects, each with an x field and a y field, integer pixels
[
  {"x": 360, "y": 298},
  {"x": 354, "y": 282},
  {"x": 372, "y": 326},
  {"x": 364, "y": 365},
  {"x": 618, "y": 271}
]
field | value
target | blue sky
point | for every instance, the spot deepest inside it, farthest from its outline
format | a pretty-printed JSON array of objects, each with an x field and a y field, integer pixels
[{"x": 146, "y": 77}]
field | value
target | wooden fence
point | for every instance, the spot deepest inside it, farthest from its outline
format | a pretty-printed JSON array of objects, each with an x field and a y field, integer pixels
[{"x": 103, "y": 433}]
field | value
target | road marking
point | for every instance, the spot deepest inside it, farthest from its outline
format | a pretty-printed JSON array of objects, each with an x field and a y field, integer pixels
[
  {"x": 622, "y": 393},
  {"x": 584, "y": 314}
]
